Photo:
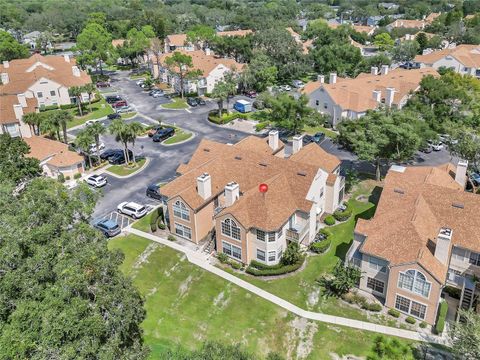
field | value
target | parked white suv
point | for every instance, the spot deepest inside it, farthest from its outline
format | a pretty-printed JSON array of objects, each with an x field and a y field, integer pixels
[
  {"x": 132, "y": 209},
  {"x": 96, "y": 180}
]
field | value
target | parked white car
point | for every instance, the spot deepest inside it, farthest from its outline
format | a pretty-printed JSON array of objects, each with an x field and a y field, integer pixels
[
  {"x": 132, "y": 209},
  {"x": 287, "y": 88},
  {"x": 96, "y": 180},
  {"x": 437, "y": 146},
  {"x": 140, "y": 82},
  {"x": 93, "y": 147},
  {"x": 298, "y": 84},
  {"x": 124, "y": 109}
]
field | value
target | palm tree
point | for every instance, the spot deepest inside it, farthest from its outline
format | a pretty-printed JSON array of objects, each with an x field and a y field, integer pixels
[
  {"x": 89, "y": 89},
  {"x": 133, "y": 129},
  {"x": 96, "y": 129},
  {"x": 84, "y": 140},
  {"x": 62, "y": 117},
  {"x": 33, "y": 120},
  {"x": 220, "y": 92},
  {"x": 50, "y": 126},
  {"x": 76, "y": 92},
  {"x": 122, "y": 134}
]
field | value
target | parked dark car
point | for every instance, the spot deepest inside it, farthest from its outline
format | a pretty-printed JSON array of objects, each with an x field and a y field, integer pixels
[
  {"x": 119, "y": 158},
  {"x": 251, "y": 94},
  {"x": 192, "y": 102},
  {"x": 475, "y": 177},
  {"x": 113, "y": 116},
  {"x": 410, "y": 65},
  {"x": 103, "y": 84},
  {"x": 318, "y": 137},
  {"x": 200, "y": 101},
  {"x": 113, "y": 99},
  {"x": 307, "y": 139},
  {"x": 154, "y": 130},
  {"x": 153, "y": 191},
  {"x": 284, "y": 134},
  {"x": 120, "y": 103},
  {"x": 163, "y": 134},
  {"x": 109, "y": 152},
  {"x": 108, "y": 227},
  {"x": 171, "y": 95}
]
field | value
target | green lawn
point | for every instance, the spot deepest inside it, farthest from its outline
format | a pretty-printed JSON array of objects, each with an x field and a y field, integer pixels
[
  {"x": 99, "y": 110},
  {"x": 139, "y": 76},
  {"x": 144, "y": 223},
  {"x": 187, "y": 305},
  {"x": 122, "y": 170},
  {"x": 180, "y": 135},
  {"x": 177, "y": 103},
  {"x": 128, "y": 115},
  {"x": 314, "y": 129}
]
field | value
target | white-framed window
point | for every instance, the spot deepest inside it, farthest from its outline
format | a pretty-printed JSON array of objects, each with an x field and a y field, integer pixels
[
  {"x": 375, "y": 285},
  {"x": 260, "y": 255},
  {"x": 271, "y": 236},
  {"x": 376, "y": 264},
  {"x": 232, "y": 250},
  {"x": 459, "y": 254},
  {"x": 414, "y": 281},
  {"x": 279, "y": 253},
  {"x": 183, "y": 231},
  {"x": 272, "y": 255},
  {"x": 260, "y": 235},
  {"x": 230, "y": 229},
  {"x": 411, "y": 307},
  {"x": 181, "y": 211},
  {"x": 474, "y": 258}
]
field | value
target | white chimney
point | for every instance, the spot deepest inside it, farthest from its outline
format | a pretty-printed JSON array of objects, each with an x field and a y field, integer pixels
[
  {"x": 442, "y": 247},
  {"x": 5, "y": 78},
  {"x": 374, "y": 70},
  {"x": 204, "y": 186},
  {"x": 6, "y": 64},
  {"x": 273, "y": 139},
  {"x": 384, "y": 70},
  {"x": 207, "y": 52},
  {"x": 389, "y": 96},
  {"x": 75, "y": 71},
  {"x": 461, "y": 173},
  {"x": 297, "y": 143},
  {"x": 232, "y": 193},
  {"x": 333, "y": 78},
  {"x": 22, "y": 100},
  {"x": 321, "y": 78},
  {"x": 66, "y": 57},
  {"x": 18, "y": 110},
  {"x": 377, "y": 95}
]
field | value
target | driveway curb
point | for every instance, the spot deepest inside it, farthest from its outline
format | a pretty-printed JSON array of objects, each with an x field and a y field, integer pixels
[
  {"x": 180, "y": 142},
  {"x": 147, "y": 161}
]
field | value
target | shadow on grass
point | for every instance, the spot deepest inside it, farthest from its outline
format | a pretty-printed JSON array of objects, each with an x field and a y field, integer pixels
[{"x": 342, "y": 249}]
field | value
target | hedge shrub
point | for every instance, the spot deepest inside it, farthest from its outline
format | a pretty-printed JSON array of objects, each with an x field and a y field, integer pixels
[
  {"x": 223, "y": 258},
  {"x": 162, "y": 226},
  {"x": 61, "y": 178},
  {"x": 77, "y": 176},
  {"x": 154, "y": 220},
  {"x": 261, "y": 126},
  {"x": 274, "y": 269},
  {"x": 393, "y": 312},
  {"x": 329, "y": 220},
  {"x": 49, "y": 107},
  {"x": 410, "y": 320},
  {"x": 320, "y": 247},
  {"x": 453, "y": 292},
  {"x": 343, "y": 215},
  {"x": 226, "y": 118},
  {"x": 235, "y": 264},
  {"x": 423, "y": 324},
  {"x": 68, "y": 106},
  {"x": 171, "y": 238},
  {"x": 372, "y": 307},
  {"x": 442, "y": 314}
]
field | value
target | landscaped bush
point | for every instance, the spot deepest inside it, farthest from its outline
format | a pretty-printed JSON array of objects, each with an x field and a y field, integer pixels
[
  {"x": 320, "y": 246},
  {"x": 410, "y": 320},
  {"x": 68, "y": 106},
  {"x": 236, "y": 265},
  {"x": 49, "y": 107},
  {"x": 442, "y": 314},
  {"x": 423, "y": 324},
  {"x": 453, "y": 292},
  {"x": 226, "y": 118},
  {"x": 329, "y": 220},
  {"x": 291, "y": 255},
  {"x": 171, "y": 238},
  {"x": 67, "y": 178},
  {"x": 261, "y": 126},
  {"x": 162, "y": 226},
  {"x": 372, "y": 307},
  {"x": 223, "y": 258},
  {"x": 154, "y": 220},
  {"x": 77, "y": 176},
  {"x": 61, "y": 178},
  {"x": 343, "y": 215},
  {"x": 275, "y": 270},
  {"x": 394, "y": 313}
]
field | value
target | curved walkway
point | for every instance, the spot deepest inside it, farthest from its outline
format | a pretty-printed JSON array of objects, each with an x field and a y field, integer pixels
[{"x": 201, "y": 260}]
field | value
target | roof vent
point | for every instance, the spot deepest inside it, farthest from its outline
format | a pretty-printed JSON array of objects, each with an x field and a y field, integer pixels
[
  {"x": 238, "y": 158},
  {"x": 206, "y": 150},
  {"x": 263, "y": 164},
  {"x": 458, "y": 205},
  {"x": 301, "y": 173},
  {"x": 399, "y": 191}
]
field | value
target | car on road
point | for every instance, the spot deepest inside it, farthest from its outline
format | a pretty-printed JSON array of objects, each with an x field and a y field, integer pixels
[
  {"x": 251, "y": 94},
  {"x": 108, "y": 227},
  {"x": 436, "y": 145},
  {"x": 475, "y": 177},
  {"x": 103, "y": 84},
  {"x": 109, "y": 153},
  {"x": 163, "y": 134},
  {"x": 151, "y": 92},
  {"x": 113, "y": 116},
  {"x": 192, "y": 101},
  {"x": 111, "y": 99},
  {"x": 298, "y": 84},
  {"x": 153, "y": 191},
  {"x": 157, "y": 94},
  {"x": 93, "y": 147},
  {"x": 90, "y": 122},
  {"x": 318, "y": 137},
  {"x": 96, "y": 180},
  {"x": 140, "y": 82},
  {"x": 200, "y": 101},
  {"x": 120, "y": 103},
  {"x": 119, "y": 158},
  {"x": 123, "y": 109},
  {"x": 154, "y": 130},
  {"x": 132, "y": 209}
]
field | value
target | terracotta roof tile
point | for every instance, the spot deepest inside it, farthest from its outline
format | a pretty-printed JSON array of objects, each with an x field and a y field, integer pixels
[
  {"x": 315, "y": 155},
  {"x": 42, "y": 148},
  {"x": 468, "y": 55}
]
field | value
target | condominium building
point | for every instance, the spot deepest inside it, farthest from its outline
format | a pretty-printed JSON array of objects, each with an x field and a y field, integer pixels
[
  {"x": 251, "y": 199},
  {"x": 175, "y": 42},
  {"x": 423, "y": 236}
]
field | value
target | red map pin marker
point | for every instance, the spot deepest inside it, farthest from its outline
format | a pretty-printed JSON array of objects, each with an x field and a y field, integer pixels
[{"x": 263, "y": 188}]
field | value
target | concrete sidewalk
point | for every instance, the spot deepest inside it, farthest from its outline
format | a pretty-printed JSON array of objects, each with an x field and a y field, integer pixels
[{"x": 201, "y": 260}]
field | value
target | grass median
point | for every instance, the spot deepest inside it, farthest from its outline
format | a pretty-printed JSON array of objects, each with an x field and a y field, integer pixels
[
  {"x": 124, "y": 170},
  {"x": 177, "y": 103},
  {"x": 180, "y": 135}
]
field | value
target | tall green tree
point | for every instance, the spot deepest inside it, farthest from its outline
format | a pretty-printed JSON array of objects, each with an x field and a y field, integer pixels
[
  {"x": 96, "y": 130},
  {"x": 15, "y": 167},
  {"x": 94, "y": 44},
  {"x": 50, "y": 125},
  {"x": 200, "y": 36},
  {"x": 133, "y": 129},
  {"x": 10, "y": 48},
  {"x": 220, "y": 93},
  {"x": 260, "y": 73},
  {"x": 465, "y": 335},
  {"x": 59, "y": 277},
  {"x": 33, "y": 120},
  {"x": 84, "y": 141},
  {"x": 342, "y": 280},
  {"x": 182, "y": 66},
  {"x": 405, "y": 51},
  {"x": 289, "y": 112},
  {"x": 384, "y": 41},
  {"x": 76, "y": 92},
  {"x": 61, "y": 118},
  {"x": 343, "y": 59},
  {"x": 123, "y": 135},
  {"x": 90, "y": 89}
]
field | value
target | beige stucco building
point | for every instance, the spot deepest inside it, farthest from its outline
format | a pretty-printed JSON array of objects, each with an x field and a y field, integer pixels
[{"x": 218, "y": 196}]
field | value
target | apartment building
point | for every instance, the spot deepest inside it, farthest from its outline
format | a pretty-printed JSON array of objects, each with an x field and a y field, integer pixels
[
  {"x": 30, "y": 84},
  {"x": 251, "y": 199},
  {"x": 413, "y": 24},
  {"x": 175, "y": 42},
  {"x": 212, "y": 69},
  {"x": 423, "y": 236},
  {"x": 463, "y": 59},
  {"x": 346, "y": 98}
]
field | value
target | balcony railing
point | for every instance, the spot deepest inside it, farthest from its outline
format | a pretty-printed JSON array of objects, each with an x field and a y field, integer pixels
[{"x": 297, "y": 232}]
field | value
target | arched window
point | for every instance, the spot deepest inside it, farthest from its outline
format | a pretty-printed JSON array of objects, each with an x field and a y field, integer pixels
[
  {"x": 414, "y": 281},
  {"x": 231, "y": 229},
  {"x": 180, "y": 210}
]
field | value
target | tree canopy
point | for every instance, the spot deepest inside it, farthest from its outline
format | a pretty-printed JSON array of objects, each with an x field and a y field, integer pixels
[
  {"x": 15, "y": 167},
  {"x": 10, "y": 48}
]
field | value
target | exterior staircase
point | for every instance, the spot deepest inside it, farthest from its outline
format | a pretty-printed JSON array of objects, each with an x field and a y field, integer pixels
[{"x": 468, "y": 292}]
